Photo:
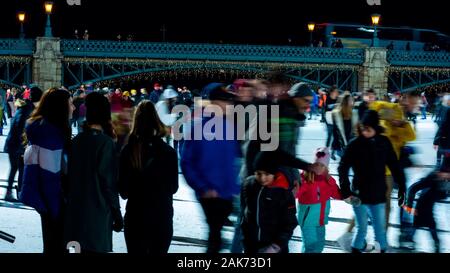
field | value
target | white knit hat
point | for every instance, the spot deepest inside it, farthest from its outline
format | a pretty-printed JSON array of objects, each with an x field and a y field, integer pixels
[
  {"x": 322, "y": 155},
  {"x": 169, "y": 94}
]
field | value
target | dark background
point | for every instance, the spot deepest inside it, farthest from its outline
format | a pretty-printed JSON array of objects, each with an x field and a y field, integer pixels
[{"x": 232, "y": 21}]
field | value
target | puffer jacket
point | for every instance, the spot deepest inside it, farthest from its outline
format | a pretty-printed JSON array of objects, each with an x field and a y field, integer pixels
[
  {"x": 269, "y": 214},
  {"x": 314, "y": 200}
]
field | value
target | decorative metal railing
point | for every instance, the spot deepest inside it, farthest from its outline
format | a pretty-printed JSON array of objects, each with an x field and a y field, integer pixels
[
  {"x": 17, "y": 46},
  {"x": 418, "y": 58},
  {"x": 226, "y": 52},
  {"x": 223, "y": 52}
]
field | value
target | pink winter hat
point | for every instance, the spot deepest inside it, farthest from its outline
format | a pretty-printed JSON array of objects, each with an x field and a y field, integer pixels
[{"x": 322, "y": 156}]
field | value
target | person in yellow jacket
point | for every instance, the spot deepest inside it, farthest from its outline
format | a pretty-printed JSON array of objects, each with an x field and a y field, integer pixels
[{"x": 398, "y": 129}]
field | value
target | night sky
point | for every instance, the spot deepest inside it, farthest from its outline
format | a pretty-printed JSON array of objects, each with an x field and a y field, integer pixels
[{"x": 229, "y": 21}]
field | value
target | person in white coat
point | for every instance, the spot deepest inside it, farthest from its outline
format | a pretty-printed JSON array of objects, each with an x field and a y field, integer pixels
[
  {"x": 164, "y": 108},
  {"x": 345, "y": 120}
]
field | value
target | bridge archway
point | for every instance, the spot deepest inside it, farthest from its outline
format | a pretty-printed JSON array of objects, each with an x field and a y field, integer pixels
[{"x": 78, "y": 72}]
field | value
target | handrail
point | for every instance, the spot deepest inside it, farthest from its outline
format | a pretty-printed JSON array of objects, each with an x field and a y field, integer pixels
[
  {"x": 17, "y": 46},
  {"x": 196, "y": 51}
]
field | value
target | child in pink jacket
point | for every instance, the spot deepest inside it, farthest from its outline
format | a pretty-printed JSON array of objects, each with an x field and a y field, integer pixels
[{"x": 313, "y": 203}]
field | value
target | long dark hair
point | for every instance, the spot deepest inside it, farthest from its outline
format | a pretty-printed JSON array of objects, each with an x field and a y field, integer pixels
[
  {"x": 54, "y": 108},
  {"x": 344, "y": 106},
  {"x": 146, "y": 127}
]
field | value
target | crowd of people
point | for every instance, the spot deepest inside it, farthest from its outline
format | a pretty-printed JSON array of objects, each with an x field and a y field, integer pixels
[{"x": 124, "y": 147}]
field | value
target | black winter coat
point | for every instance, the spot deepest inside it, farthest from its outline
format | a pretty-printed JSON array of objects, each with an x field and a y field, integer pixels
[
  {"x": 14, "y": 140},
  {"x": 149, "y": 191},
  {"x": 268, "y": 215},
  {"x": 368, "y": 158},
  {"x": 93, "y": 197}
]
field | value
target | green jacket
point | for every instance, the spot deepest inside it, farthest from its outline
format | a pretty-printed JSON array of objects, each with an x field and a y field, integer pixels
[{"x": 93, "y": 198}]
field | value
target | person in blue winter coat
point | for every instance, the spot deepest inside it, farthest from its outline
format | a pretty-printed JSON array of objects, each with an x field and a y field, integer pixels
[
  {"x": 48, "y": 133},
  {"x": 314, "y": 105},
  {"x": 209, "y": 167}
]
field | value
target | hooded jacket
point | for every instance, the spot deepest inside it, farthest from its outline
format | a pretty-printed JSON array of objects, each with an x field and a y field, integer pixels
[
  {"x": 398, "y": 135},
  {"x": 268, "y": 213}
]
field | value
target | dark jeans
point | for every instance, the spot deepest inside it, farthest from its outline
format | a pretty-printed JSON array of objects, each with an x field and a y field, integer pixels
[
  {"x": 329, "y": 134},
  {"x": 52, "y": 235},
  {"x": 425, "y": 217},
  {"x": 236, "y": 244},
  {"x": 16, "y": 162},
  {"x": 216, "y": 211},
  {"x": 439, "y": 157},
  {"x": 423, "y": 110},
  {"x": 312, "y": 112},
  {"x": 3, "y": 120}
]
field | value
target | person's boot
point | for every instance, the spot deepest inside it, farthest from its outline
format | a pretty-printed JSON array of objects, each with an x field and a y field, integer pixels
[
  {"x": 9, "y": 197},
  {"x": 368, "y": 247},
  {"x": 437, "y": 247},
  {"x": 355, "y": 250},
  {"x": 406, "y": 242}
]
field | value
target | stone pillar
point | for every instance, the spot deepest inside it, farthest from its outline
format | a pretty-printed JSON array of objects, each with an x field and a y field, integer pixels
[
  {"x": 373, "y": 72},
  {"x": 47, "y": 63}
]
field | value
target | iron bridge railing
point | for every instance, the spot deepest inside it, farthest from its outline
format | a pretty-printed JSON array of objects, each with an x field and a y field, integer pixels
[
  {"x": 17, "y": 47},
  {"x": 226, "y": 52},
  {"x": 418, "y": 58}
]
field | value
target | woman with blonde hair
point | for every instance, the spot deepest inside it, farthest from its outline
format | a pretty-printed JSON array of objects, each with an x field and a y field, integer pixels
[{"x": 345, "y": 121}]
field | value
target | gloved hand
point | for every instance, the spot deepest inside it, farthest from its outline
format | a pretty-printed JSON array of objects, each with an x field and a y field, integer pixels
[
  {"x": 273, "y": 248},
  {"x": 117, "y": 222},
  {"x": 353, "y": 200},
  {"x": 401, "y": 198},
  {"x": 410, "y": 210}
]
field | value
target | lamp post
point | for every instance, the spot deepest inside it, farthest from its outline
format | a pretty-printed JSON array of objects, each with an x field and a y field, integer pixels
[
  {"x": 311, "y": 27},
  {"x": 48, "y": 9},
  {"x": 21, "y": 17},
  {"x": 375, "y": 22}
]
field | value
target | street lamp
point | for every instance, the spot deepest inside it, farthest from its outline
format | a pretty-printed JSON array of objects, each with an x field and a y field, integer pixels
[
  {"x": 375, "y": 22},
  {"x": 21, "y": 17},
  {"x": 311, "y": 27},
  {"x": 48, "y": 9}
]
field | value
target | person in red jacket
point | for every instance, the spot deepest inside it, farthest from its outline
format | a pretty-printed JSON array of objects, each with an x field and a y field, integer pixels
[{"x": 313, "y": 203}]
